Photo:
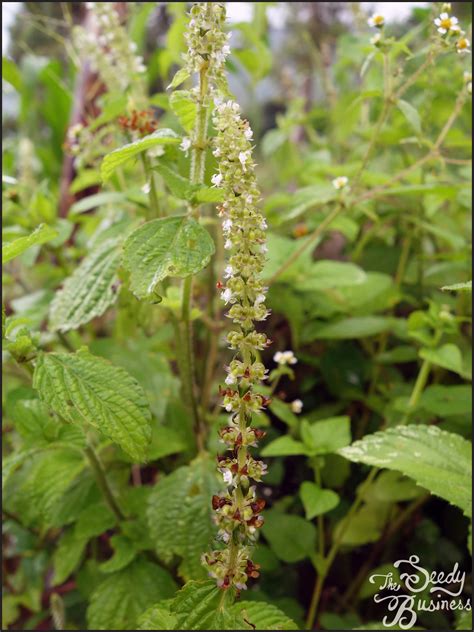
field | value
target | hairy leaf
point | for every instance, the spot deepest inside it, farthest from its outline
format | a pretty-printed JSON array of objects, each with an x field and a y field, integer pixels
[
  {"x": 119, "y": 156},
  {"x": 202, "y": 606},
  {"x": 184, "y": 107},
  {"x": 89, "y": 291},
  {"x": 172, "y": 246},
  {"x": 180, "y": 515},
  {"x": 84, "y": 388},
  {"x": 438, "y": 460},
  {"x": 158, "y": 617},
  {"x": 118, "y": 601},
  {"x": 263, "y": 616}
]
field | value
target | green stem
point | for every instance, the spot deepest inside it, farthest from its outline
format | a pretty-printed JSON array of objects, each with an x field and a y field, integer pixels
[
  {"x": 103, "y": 483},
  {"x": 420, "y": 384}
]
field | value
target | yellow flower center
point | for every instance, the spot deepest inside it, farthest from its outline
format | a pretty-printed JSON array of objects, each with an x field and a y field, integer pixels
[
  {"x": 462, "y": 43},
  {"x": 378, "y": 19},
  {"x": 446, "y": 24}
]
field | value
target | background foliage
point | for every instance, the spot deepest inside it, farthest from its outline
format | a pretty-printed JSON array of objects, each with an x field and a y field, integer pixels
[{"x": 106, "y": 497}]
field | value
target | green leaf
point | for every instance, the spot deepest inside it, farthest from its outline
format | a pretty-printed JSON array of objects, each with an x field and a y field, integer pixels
[
  {"x": 184, "y": 107},
  {"x": 411, "y": 114},
  {"x": 124, "y": 553},
  {"x": 317, "y": 501},
  {"x": 94, "y": 520},
  {"x": 180, "y": 187},
  {"x": 280, "y": 529},
  {"x": 366, "y": 525},
  {"x": 444, "y": 401},
  {"x": 347, "y": 328},
  {"x": 285, "y": 446},
  {"x": 262, "y": 616},
  {"x": 118, "y": 601},
  {"x": 179, "y": 78},
  {"x": 438, "y": 460},
  {"x": 119, "y": 156},
  {"x": 207, "y": 195},
  {"x": 180, "y": 515},
  {"x": 158, "y": 617},
  {"x": 89, "y": 291},
  {"x": 391, "y": 486},
  {"x": 13, "y": 249},
  {"x": 165, "y": 441},
  {"x": 67, "y": 556},
  {"x": 202, "y": 606},
  {"x": 458, "y": 287},
  {"x": 11, "y": 73},
  {"x": 13, "y": 461},
  {"x": 81, "y": 388},
  {"x": 327, "y": 435},
  {"x": 97, "y": 199},
  {"x": 324, "y": 275},
  {"x": 171, "y": 246},
  {"x": 447, "y": 356}
]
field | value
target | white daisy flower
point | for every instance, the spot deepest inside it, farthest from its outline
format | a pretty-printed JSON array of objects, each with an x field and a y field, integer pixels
[
  {"x": 340, "y": 182},
  {"x": 463, "y": 46},
  {"x": 376, "y": 21},
  {"x": 446, "y": 23}
]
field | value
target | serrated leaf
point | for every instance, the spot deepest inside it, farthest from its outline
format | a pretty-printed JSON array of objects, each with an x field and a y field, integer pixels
[
  {"x": 263, "y": 616},
  {"x": 317, "y": 501},
  {"x": 89, "y": 291},
  {"x": 180, "y": 515},
  {"x": 119, "y": 156},
  {"x": 158, "y": 617},
  {"x": 82, "y": 388},
  {"x": 411, "y": 114},
  {"x": 13, "y": 461},
  {"x": 94, "y": 520},
  {"x": 209, "y": 195},
  {"x": 67, "y": 556},
  {"x": 438, "y": 460},
  {"x": 49, "y": 478},
  {"x": 171, "y": 246},
  {"x": 40, "y": 235},
  {"x": 124, "y": 553},
  {"x": 118, "y": 601},
  {"x": 202, "y": 606},
  {"x": 184, "y": 107},
  {"x": 179, "y": 78}
]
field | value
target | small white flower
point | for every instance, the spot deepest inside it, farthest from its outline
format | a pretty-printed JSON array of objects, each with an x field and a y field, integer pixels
[
  {"x": 227, "y": 476},
  {"x": 340, "y": 182},
  {"x": 227, "y": 295},
  {"x": 216, "y": 152},
  {"x": 264, "y": 248},
  {"x": 230, "y": 379},
  {"x": 296, "y": 406},
  {"x": 446, "y": 23},
  {"x": 226, "y": 50},
  {"x": 227, "y": 225},
  {"x": 260, "y": 298},
  {"x": 244, "y": 157},
  {"x": 376, "y": 21},
  {"x": 185, "y": 144},
  {"x": 228, "y": 407},
  {"x": 216, "y": 179},
  {"x": 285, "y": 357},
  {"x": 248, "y": 133},
  {"x": 146, "y": 188},
  {"x": 228, "y": 244},
  {"x": 263, "y": 224},
  {"x": 228, "y": 272},
  {"x": 463, "y": 46}
]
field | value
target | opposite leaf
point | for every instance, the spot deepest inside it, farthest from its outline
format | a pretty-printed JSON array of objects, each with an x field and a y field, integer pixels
[
  {"x": 89, "y": 291},
  {"x": 438, "y": 460},
  {"x": 15, "y": 248},
  {"x": 82, "y": 388},
  {"x": 172, "y": 246}
]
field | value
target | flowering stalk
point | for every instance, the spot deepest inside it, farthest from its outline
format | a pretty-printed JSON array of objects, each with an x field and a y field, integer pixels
[{"x": 238, "y": 509}]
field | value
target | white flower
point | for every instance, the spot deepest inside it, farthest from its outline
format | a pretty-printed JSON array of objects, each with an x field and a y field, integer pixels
[
  {"x": 446, "y": 23},
  {"x": 296, "y": 406},
  {"x": 228, "y": 244},
  {"x": 226, "y": 50},
  {"x": 285, "y": 357},
  {"x": 228, "y": 272},
  {"x": 259, "y": 299},
  {"x": 216, "y": 179},
  {"x": 146, "y": 188},
  {"x": 185, "y": 144},
  {"x": 264, "y": 248},
  {"x": 227, "y": 225},
  {"x": 375, "y": 39},
  {"x": 230, "y": 379},
  {"x": 244, "y": 157},
  {"x": 248, "y": 133},
  {"x": 227, "y": 295},
  {"x": 227, "y": 476},
  {"x": 216, "y": 152},
  {"x": 263, "y": 224},
  {"x": 376, "y": 21},
  {"x": 463, "y": 46},
  {"x": 340, "y": 182}
]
